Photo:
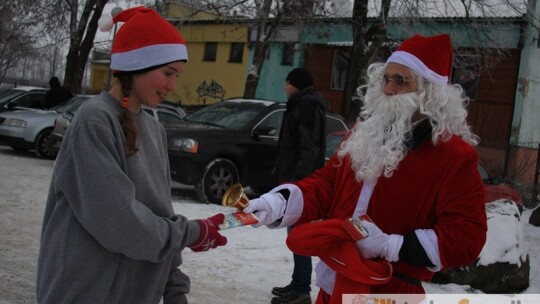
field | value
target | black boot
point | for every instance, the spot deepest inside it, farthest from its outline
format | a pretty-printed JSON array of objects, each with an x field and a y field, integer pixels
[
  {"x": 293, "y": 298},
  {"x": 282, "y": 291}
]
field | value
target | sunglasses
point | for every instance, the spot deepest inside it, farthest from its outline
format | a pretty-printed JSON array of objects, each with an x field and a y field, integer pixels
[{"x": 398, "y": 80}]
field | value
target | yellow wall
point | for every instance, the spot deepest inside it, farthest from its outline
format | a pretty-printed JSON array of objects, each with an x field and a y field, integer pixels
[
  {"x": 98, "y": 77},
  {"x": 229, "y": 76}
]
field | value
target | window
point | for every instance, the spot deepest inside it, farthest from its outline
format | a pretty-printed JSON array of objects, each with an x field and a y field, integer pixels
[
  {"x": 288, "y": 54},
  {"x": 466, "y": 72},
  {"x": 237, "y": 52},
  {"x": 29, "y": 100},
  {"x": 270, "y": 126},
  {"x": 339, "y": 70},
  {"x": 210, "y": 51},
  {"x": 334, "y": 125},
  {"x": 165, "y": 117}
]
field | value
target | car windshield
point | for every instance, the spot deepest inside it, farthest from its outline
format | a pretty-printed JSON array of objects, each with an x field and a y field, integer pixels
[
  {"x": 70, "y": 106},
  {"x": 9, "y": 94},
  {"x": 228, "y": 114}
]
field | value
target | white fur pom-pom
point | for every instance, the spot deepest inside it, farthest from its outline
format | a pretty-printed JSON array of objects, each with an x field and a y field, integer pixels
[{"x": 105, "y": 23}]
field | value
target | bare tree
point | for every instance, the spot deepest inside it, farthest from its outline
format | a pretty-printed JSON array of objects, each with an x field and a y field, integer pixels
[
  {"x": 265, "y": 19},
  {"x": 368, "y": 38},
  {"x": 292, "y": 12},
  {"x": 260, "y": 48},
  {"x": 18, "y": 21},
  {"x": 82, "y": 31},
  {"x": 371, "y": 38}
]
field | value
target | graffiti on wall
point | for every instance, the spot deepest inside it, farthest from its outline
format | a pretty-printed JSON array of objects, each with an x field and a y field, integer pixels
[{"x": 213, "y": 90}]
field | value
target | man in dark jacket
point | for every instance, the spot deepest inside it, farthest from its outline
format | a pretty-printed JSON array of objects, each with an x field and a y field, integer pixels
[
  {"x": 57, "y": 94},
  {"x": 302, "y": 145}
]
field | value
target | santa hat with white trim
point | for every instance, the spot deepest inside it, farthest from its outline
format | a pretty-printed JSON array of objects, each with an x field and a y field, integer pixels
[
  {"x": 145, "y": 40},
  {"x": 429, "y": 57}
]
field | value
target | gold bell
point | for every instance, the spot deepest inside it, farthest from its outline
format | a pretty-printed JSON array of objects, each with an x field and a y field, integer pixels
[{"x": 235, "y": 196}]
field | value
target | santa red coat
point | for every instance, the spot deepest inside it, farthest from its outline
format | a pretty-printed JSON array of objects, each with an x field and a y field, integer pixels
[{"x": 434, "y": 187}]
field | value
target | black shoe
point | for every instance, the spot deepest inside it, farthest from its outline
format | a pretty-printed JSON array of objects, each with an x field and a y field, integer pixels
[
  {"x": 282, "y": 291},
  {"x": 293, "y": 298}
]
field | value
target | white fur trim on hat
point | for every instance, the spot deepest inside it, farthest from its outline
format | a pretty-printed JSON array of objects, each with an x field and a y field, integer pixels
[
  {"x": 148, "y": 56},
  {"x": 105, "y": 23},
  {"x": 415, "y": 64}
]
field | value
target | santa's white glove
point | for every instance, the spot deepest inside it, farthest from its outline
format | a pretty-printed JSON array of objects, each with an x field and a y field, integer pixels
[
  {"x": 269, "y": 208},
  {"x": 379, "y": 244}
]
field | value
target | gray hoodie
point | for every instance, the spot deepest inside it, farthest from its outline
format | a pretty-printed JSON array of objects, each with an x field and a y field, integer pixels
[{"x": 109, "y": 232}]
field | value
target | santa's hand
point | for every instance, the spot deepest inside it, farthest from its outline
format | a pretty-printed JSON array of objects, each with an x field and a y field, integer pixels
[
  {"x": 209, "y": 236},
  {"x": 379, "y": 244},
  {"x": 269, "y": 208}
]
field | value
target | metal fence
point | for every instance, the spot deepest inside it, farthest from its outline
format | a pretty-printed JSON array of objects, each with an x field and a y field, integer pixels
[{"x": 521, "y": 169}]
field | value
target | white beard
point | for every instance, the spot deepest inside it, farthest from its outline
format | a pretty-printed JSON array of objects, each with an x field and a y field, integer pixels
[{"x": 377, "y": 144}]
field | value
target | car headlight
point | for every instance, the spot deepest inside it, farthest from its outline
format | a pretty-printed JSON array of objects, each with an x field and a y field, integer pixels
[
  {"x": 12, "y": 122},
  {"x": 184, "y": 144}
]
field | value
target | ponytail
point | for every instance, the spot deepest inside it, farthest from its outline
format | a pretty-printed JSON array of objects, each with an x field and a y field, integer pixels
[{"x": 128, "y": 126}]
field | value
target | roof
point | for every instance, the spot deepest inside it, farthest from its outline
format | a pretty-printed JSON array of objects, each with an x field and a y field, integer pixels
[
  {"x": 240, "y": 100},
  {"x": 27, "y": 88}
]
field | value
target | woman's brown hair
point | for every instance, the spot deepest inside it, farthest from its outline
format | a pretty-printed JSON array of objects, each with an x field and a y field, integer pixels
[{"x": 128, "y": 126}]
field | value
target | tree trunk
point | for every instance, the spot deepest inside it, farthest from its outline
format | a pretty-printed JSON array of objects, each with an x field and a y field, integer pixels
[
  {"x": 253, "y": 77},
  {"x": 260, "y": 50},
  {"x": 351, "y": 107},
  {"x": 81, "y": 43},
  {"x": 367, "y": 42}
]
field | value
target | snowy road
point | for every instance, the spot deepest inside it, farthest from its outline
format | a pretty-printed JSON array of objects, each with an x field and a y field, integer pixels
[
  {"x": 244, "y": 271},
  {"x": 23, "y": 187}
]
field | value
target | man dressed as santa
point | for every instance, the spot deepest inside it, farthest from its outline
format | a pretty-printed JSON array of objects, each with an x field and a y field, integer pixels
[{"x": 409, "y": 164}]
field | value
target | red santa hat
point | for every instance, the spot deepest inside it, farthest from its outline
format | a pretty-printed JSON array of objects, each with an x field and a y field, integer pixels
[
  {"x": 145, "y": 40},
  {"x": 332, "y": 243},
  {"x": 429, "y": 57}
]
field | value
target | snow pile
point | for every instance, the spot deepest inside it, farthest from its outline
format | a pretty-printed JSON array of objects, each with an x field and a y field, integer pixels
[{"x": 505, "y": 238}]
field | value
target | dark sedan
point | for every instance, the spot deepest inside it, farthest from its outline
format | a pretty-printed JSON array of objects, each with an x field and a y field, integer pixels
[{"x": 229, "y": 142}]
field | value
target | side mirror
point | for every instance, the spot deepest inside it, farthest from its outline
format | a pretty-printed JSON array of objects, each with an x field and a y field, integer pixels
[{"x": 264, "y": 131}]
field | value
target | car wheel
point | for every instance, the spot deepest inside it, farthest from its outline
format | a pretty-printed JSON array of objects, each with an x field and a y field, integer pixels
[
  {"x": 44, "y": 145},
  {"x": 219, "y": 176}
]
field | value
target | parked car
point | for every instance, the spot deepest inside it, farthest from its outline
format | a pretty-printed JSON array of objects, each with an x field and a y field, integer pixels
[
  {"x": 23, "y": 97},
  {"x": 61, "y": 123},
  {"x": 163, "y": 113},
  {"x": 228, "y": 142},
  {"x": 31, "y": 129},
  {"x": 494, "y": 188},
  {"x": 332, "y": 143},
  {"x": 172, "y": 106}
]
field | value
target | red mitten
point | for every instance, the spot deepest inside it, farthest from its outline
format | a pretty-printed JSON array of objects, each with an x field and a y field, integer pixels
[{"x": 209, "y": 236}]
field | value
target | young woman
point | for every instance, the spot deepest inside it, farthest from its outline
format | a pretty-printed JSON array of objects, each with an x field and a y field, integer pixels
[{"x": 110, "y": 234}]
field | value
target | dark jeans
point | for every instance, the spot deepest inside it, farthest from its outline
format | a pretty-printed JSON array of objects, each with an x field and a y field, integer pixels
[{"x": 301, "y": 277}]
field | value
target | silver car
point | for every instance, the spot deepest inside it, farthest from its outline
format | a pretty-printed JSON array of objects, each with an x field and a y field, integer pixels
[
  {"x": 31, "y": 129},
  {"x": 23, "y": 97},
  {"x": 165, "y": 112}
]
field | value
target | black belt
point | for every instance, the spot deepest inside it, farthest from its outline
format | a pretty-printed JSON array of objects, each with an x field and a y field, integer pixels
[{"x": 408, "y": 279}]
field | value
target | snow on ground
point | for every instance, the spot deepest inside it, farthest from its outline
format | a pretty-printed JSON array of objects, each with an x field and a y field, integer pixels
[
  {"x": 244, "y": 271},
  {"x": 256, "y": 259}
]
